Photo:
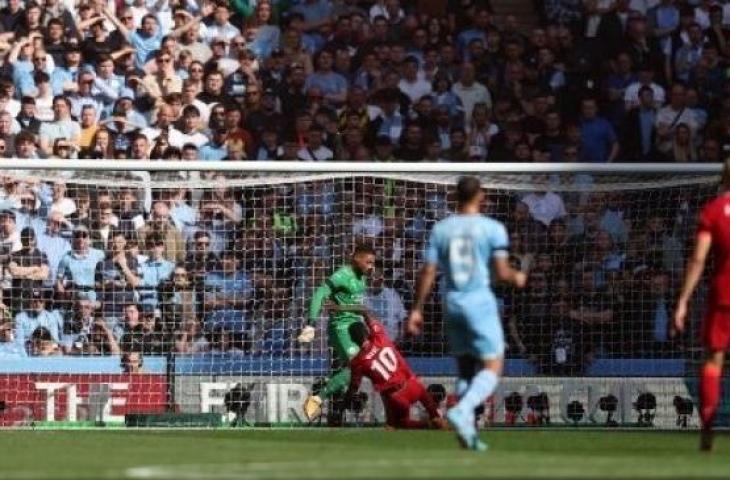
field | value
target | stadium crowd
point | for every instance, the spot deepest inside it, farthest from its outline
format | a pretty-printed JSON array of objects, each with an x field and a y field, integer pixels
[{"x": 102, "y": 270}]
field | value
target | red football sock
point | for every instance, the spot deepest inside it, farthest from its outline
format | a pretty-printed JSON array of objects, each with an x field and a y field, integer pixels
[{"x": 709, "y": 393}]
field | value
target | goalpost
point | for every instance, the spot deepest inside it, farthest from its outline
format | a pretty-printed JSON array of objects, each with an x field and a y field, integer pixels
[{"x": 177, "y": 288}]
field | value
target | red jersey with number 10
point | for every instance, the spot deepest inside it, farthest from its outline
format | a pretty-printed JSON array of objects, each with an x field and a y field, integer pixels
[
  {"x": 715, "y": 220},
  {"x": 380, "y": 361}
]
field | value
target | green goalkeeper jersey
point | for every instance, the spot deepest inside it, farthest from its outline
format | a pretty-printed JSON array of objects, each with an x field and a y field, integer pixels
[{"x": 344, "y": 287}]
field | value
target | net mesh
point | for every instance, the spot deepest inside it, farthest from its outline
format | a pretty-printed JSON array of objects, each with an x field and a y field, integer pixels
[{"x": 183, "y": 292}]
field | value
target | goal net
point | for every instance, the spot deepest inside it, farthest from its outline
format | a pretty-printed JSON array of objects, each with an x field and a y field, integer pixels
[{"x": 145, "y": 297}]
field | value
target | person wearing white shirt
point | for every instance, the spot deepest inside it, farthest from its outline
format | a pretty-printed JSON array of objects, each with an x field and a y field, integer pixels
[
  {"x": 190, "y": 129},
  {"x": 60, "y": 202},
  {"x": 189, "y": 97},
  {"x": 644, "y": 77},
  {"x": 412, "y": 84},
  {"x": 370, "y": 226},
  {"x": 164, "y": 124},
  {"x": 390, "y": 9},
  {"x": 470, "y": 92},
  {"x": 315, "y": 151},
  {"x": 545, "y": 207},
  {"x": 672, "y": 115},
  {"x": 221, "y": 27}
]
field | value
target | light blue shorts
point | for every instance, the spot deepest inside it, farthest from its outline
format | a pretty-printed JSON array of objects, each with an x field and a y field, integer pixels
[{"x": 473, "y": 326}]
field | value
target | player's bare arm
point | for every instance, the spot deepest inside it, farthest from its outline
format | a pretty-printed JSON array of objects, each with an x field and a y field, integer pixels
[
  {"x": 426, "y": 279},
  {"x": 507, "y": 274},
  {"x": 693, "y": 273}
]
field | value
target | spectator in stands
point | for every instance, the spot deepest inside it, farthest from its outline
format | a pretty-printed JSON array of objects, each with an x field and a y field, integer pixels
[
  {"x": 161, "y": 225},
  {"x": 62, "y": 126},
  {"x": 190, "y": 339},
  {"x": 178, "y": 299},
  {"x": 25, "y": 145},
  {"x": 470, "y": 91},
  {"x": 217, "y": 219},
  {"x": 117, "y": 277},
  {"x": 386, "y": 304},
  {"x": 315, "y": 150},
  {"x": 597, "y": 135},
  {"x": 639, "y": 130},
  {"x": 8, "y": 346},
  {"x": 155, "y": 271},
  {"x": 100, "y": 340},
  {"x": 669, "y": 118},
  {"x": 28, "y": 266},
  {"x": 592, "y": 314},
  {"x": 200, "y": 260},
  {"x": 650, "y": 332},
  {"x": 42, "y": 343},
  {"x": 228, "y": 296},
  {"x": 128, "y": 332},
  {"x": 33, "y": 316},
  {"x": 664, "y": 248},
  {"x": 9, "y": 235},
  {"x": 545, "y": 206},
  {"x": 77, "y": 268},
  {"x": 529, "y": 328},
  {"x": 77, "y": 325},
  {"x": 132, "y": 362}
]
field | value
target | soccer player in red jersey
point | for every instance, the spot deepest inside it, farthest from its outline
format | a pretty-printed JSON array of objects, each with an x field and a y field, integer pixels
[
  {"x": 713, "y": 232},
  {"x": 381, "y": 362}
]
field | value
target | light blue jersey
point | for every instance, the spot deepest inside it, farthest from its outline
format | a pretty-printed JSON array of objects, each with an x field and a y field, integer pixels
[{"x": 463, "y": 246}]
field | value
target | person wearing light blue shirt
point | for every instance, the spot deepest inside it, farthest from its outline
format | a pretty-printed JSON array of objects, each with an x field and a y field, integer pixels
[
  {"x": 148, "y": 39},
  {"x": 183, "y": 216},
  {"x": 62, "y": 125},
  {"x": 221, "y": 27},
  {"x": 265, "y": 41},
  {"x": 24, "y": 78},
  {"x": 332, "y": 85},
  {"x": 463, "y": 245},
  {"x": 34, "y": 316},
  {"x": 68, "y": 73},
  {"x": 77, "y": 268},
  {"x": 154, "y": 271},
  {"x": 216, "y": 149},
  {"x": 51, "y": 242}
]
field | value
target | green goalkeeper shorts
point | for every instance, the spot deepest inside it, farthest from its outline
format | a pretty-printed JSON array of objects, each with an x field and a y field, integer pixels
[{"x": 340, "y": 340}]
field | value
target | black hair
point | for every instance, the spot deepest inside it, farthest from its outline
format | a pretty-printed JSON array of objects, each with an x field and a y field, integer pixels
[
  {"x": 364, "y": 248},
  {"x": 358, "y": 333},
  {"x": 467, "y": 188}
]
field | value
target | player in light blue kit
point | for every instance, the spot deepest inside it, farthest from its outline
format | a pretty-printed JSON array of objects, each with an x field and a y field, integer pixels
[{"x": 462, "y": 245}]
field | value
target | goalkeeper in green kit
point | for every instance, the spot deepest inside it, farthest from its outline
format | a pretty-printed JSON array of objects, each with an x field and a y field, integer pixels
[{"x": 346, "y": 288}]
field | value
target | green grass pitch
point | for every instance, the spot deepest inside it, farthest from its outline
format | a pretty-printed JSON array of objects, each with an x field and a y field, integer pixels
[{"x": 354, "y": 454}]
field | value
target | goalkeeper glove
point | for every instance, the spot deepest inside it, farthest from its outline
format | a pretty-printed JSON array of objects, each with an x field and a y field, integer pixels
[{"x": 307, "y": 334}]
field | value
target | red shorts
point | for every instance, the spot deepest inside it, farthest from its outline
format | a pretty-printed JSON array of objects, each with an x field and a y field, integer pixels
[
  {"x": 398, "y": 404},
  {"x": 716, "y": 328}
]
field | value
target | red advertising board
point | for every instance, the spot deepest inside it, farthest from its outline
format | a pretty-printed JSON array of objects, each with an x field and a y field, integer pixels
[{"x": 77, "y": 397}]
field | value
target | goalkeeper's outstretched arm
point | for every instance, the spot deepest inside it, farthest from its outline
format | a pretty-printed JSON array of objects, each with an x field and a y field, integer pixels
[{"x": 321, "y": 294}]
